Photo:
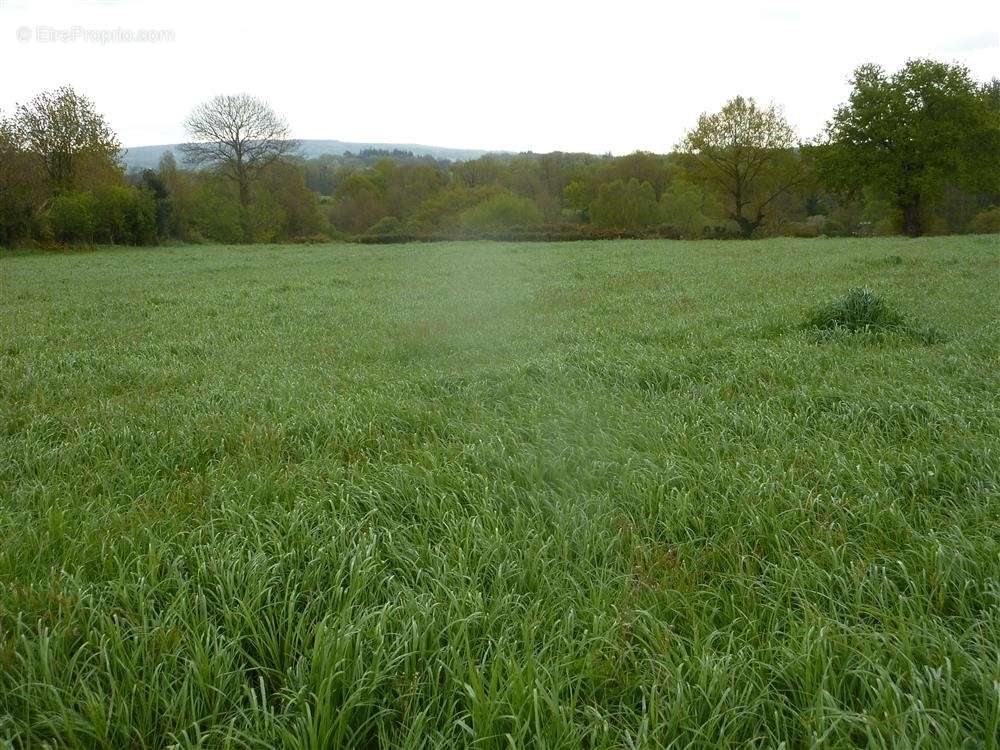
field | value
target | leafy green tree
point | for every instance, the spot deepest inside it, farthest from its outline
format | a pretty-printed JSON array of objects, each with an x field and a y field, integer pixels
[
  {"x": 22, "y": 184},
  {"x": 216, "y": 213},
  {"x": 905, "y": 135},
  {"x": 283, "y": 185},
  {"x": 443, "y": 209},
  {"x": 407, "y": 186},
  {"x": 625, "y": 205},
  {"x": 387, "y": 226},
  {"x": 181, "y": 198},
  {"x": 644, "y": 167},
  {"x": 578, "y": 195},
  {"x": 152, "y": 182},
  {"x": 359, "y": 203},
  {"x": 986, "y": 222},
  {"x": 72, "y": 217},
  {"x": 501, "y": 211},
  {"x": 123, "y": 215},
  {"x": 70, "y": 138},
  {"x": 486, "y": 170},
  {"x": 747, "y": 154},
  {"x": 683, "y": 207}
]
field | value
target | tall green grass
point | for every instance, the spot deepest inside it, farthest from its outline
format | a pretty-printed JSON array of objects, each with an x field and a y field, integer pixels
[{"x": 593, "y": 495}]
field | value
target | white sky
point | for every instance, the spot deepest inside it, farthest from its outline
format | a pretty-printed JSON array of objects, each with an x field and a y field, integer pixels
[{"x": 604, "y": 76}]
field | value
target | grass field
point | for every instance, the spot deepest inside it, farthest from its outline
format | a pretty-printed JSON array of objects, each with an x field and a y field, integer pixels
[{"x": 585, "y": 495}]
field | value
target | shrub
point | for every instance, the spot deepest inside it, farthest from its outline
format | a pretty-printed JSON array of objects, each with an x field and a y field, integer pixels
[
  {"x": 387, "y": 225},
  {"x": 443, "y": 208},
  {"x": 860, "y": 309},
  {"x": 124, "y": 215},
  {"x": 216, "y": 215},
  {"x": 566, "y": 232},
  {"x": 72, "y": 217},
  {"x": 625, "y": 205},
  {"x": 501, "y": 211},
  {"x": 263, "y": 220},
  {"x": 681, "y": 207},
  {"x": 804, "y": 229},
  {"x": 833, "y": 228},
  {"x": 310, "y": 239},
  {"x": 986, "y": 222}
]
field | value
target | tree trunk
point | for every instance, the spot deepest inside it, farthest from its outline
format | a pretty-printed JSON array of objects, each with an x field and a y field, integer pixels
[
  {"x": 244, "y": 186},
  {"x": 243, "y": 181},
  {"x": 912, "y": 225}
]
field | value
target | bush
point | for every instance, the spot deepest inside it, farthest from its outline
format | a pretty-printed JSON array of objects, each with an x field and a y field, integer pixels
[
  {"x": 861, "y": 309},
  {"x": 387, "y": 225},
  {"x": 804, "y": 229},
  {"x": 114, "y": 214},
  {"x": 124, "y": 215},
  {"x": 310, "y": 239},
  {"x": 72, "y": 217},
  {"x": 216, "y": 215},
  {"x": 986, "y": 222},
  {"x": 568, "y": 232},
  {"x": 833, "y": 228},
  {"x": 263, "y": 220},
  {"x": 681, "y": 208},
  {"x": 625, "y": 205},
  {"x": 499, "y": 212},
  {"x": 394, "y": 239}
]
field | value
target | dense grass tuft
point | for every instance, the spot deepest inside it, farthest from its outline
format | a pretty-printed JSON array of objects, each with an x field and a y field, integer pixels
[
  {"x": 593, "y": 495},
  {"x": 860, "y": 309}
]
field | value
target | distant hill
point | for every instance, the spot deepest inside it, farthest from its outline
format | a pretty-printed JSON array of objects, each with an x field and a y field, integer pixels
[{"x": 147, "y": 157}]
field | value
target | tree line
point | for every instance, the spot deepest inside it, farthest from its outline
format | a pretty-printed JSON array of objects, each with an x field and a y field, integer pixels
[{"x": 915, "y": 151}]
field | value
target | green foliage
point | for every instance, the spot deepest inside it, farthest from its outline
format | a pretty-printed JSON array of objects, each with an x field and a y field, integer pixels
[
  {"x": 599, "y": 495},
  {"x": 216, "y": 214},
  {"x": 860, "y": 309},
  {"x": 833, "y": 228},
  {"x": 386, "y": 225},
  {"x": 905, "y": 135},
  {"x": 578, "y": 195},
  {"x": 656, "y": 169},
  {"x": 71, "y": 139},
  {"x": 625, "y": 205},
  {"x": 918, "y": 151},
  {"x": 296, "y": 211},
  {"x": 22, "y": 187},
  {"x": 124, "y": 216},
  {"x": 443, "y": 209},
  {"x": 359, "y": 203},
  {"x": 746, "y": 154},
  {"x": 682, "y": 206},
  {"x": 986, "y": 222},
  {"x": 503, "y": 210},
  {"x": 113, "y": 215},
  {"x": 154, "y": 184},
  {"x": 72, "y": 217},
  {"x": 262, "y": 219},
  {"x": 408, "y": 186}
]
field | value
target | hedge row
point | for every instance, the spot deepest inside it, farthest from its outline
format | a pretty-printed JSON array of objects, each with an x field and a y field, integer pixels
[{"x": 545, "y": 233}]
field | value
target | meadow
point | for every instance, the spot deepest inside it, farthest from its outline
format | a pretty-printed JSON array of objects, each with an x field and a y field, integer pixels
[{"x": 578, "y": 495}]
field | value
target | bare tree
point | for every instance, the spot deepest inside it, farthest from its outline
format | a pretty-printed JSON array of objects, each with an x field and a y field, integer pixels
[
  {"x": 748, "y": 153},
  {"x": 238, "y": 136}
]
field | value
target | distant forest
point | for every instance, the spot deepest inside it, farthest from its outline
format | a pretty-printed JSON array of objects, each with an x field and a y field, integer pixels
[{"x": 915, "y": 151}]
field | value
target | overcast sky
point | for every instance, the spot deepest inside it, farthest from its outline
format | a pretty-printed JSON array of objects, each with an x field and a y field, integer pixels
[{"x": 616, "y": 75}]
